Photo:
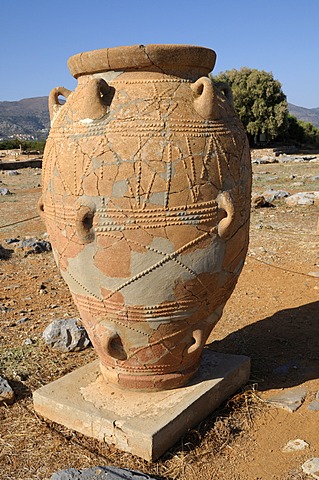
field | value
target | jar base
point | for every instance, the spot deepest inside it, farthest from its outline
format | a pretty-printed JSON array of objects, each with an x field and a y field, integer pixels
[{"x": 148, "y": 382}]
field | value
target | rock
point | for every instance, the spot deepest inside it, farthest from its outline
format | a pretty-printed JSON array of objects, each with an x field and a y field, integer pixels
[
  {"x": 22, "y": 320},
  {"x": 66, "y": 335},
  {"x": 285, "y": 158},
  {"x": 313, "y": 274},
  {"x": 31, "y": 245},
  {"x": 12, "y": 173},
  {"x": 295, "y": 445},
  {"x": 265, "y": 160},
  {"x": 314, "y": 405},
  {"x": 311, "y": 467},
  {"x": 6, "y": 392},
  {"x": 271, "y": 195},
  {"x": 295, "y": 158},
  {"x": 261, "y": 202},
  {"x": 34, "y": 245},
  {"x": 100, "y": 473},
  {"x": 5, "y": 191},
  {"x": 5, "y": 309},
  {"x": 11, "y": 240},
  {"x": 290, "y": 400},
  {"x": 302, "y": 198}
]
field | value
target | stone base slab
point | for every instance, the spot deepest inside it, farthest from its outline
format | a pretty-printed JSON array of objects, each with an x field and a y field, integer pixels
[{"x": 145, "y": 424}]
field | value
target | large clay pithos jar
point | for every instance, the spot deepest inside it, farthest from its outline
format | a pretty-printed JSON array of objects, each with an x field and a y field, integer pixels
[{"x": 146, "y": 198}]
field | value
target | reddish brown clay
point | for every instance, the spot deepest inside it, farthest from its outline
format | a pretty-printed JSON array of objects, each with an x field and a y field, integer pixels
[{"x": 146, "y": 197}]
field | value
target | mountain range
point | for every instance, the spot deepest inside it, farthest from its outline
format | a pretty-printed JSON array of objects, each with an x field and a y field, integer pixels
[
  {"x": 306, "y": 114},
  {"x": 29, "y": 118}
]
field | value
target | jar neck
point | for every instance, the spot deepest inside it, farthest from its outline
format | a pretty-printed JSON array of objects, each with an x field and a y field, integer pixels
[{"x": 145, "y": 74}]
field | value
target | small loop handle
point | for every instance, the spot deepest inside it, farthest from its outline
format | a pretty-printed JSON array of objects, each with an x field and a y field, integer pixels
[
  {"x": 54, "y": 104},
  {"x": 205, "y": 98}
]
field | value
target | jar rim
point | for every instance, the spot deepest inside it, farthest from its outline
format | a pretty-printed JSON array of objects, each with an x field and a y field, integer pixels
[{"x": 158, "y": 57}]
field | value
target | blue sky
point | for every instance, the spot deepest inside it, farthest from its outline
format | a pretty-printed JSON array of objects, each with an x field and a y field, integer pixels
[{"x": 279, "y": 36}]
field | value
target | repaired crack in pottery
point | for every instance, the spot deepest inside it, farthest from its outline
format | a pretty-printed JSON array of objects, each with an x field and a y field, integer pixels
[{"x": 146, "y": 198}]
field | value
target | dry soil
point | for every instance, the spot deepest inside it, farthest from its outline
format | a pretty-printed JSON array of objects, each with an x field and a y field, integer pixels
[{"x": 272, "y": 317}]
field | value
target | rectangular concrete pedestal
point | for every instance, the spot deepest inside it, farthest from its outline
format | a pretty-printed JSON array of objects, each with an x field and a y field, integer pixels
[{"x": 144, "y": 424}]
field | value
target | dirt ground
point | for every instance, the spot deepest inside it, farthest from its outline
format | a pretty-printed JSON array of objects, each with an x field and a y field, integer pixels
[{"x": 272, "y": 317}]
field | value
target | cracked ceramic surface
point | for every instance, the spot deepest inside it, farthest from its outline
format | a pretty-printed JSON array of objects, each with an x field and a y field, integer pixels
[{"x": 146, "y": 197}]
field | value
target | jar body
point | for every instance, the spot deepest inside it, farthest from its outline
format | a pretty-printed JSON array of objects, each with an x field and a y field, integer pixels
[{"x": 146, "y": 201}]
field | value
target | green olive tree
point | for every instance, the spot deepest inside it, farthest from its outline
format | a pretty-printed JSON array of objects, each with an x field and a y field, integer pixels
[{"x": 258, "y": 100}]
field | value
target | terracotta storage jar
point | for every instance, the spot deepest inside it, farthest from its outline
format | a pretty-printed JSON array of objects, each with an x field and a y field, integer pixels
[{"x": 146, "y": 198}]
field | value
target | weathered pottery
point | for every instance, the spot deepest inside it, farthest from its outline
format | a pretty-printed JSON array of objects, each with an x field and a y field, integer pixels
[{"x": 146, "y": 197}]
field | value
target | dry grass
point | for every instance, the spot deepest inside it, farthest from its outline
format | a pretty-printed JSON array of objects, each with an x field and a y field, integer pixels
[{"x": 195, "y": 456}]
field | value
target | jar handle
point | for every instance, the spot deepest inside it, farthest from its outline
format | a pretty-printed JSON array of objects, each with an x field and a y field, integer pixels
[
  {"x": 84, "y": 224},
  {"x": 205, "y": 98},
  {"x": 96, "y": 100},
  {"x": 54, "y": 104},
  {"x": 226, "y": 205}
]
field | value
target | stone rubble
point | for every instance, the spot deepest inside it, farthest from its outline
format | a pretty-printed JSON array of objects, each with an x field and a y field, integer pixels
[
  {"x": 288, "y": 154},
  {"x": 271, "y": 195},
  {"x": 265, "y": 199},
  {"x": 100, "y": 473},
  {"x": 296, "y": 158},
  {"x": 302, "y": 198},
  {"x": 283, "y": 158},
  {"x": 30, "y": 245},
  {"x": 66, "y": 335},
  {"x": 264, "y": 160},
  {"x": 6, "y": 392}
]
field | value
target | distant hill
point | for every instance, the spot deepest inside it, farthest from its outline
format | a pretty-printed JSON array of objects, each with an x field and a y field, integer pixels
[
  {"x": 306, "y": 114},
  {"x": 26, "y": 118},
  {"x": 30, "y": 117}
]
